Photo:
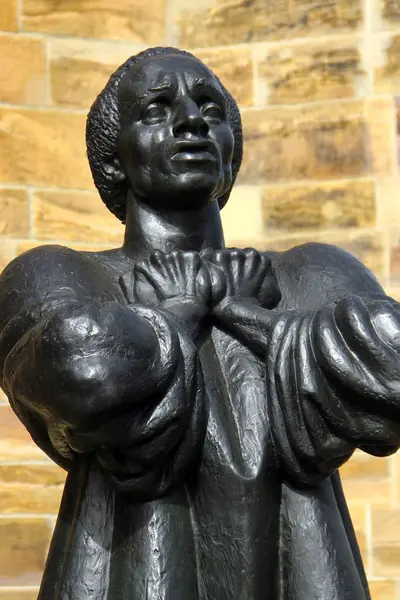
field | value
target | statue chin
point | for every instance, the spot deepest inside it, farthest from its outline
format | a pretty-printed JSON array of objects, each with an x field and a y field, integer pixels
[
  {"x": 185, "y": 196},
  {"x": 193, "y": 192}
]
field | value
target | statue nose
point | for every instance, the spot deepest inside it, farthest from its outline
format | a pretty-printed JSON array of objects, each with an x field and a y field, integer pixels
[{"x": 189, "y": 119}]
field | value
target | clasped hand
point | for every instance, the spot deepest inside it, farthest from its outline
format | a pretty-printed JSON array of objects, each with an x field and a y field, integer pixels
[{"x": 192, "y": 285}]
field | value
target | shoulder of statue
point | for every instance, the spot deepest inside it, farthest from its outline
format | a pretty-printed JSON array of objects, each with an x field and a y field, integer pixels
[
  {"x": 315, "y": 273},
  {"x": 54, "y": 270},
  {"x": 44, "y": 264},
  {"x": 49, "y": 253}
]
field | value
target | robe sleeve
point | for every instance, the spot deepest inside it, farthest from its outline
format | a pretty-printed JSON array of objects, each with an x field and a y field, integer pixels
[
  {"x": 89, "y": 375},
  {"x": 334, "y": 379}
]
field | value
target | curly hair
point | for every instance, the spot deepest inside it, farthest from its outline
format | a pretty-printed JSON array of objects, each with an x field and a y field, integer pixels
[{"x": 103, "y": 129}]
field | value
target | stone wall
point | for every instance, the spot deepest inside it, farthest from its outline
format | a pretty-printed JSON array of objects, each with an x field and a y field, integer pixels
[{"x": 316, "y": 81}]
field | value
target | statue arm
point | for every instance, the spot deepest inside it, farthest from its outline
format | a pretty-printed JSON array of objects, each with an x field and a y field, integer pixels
[
  {"x": 333, "y": 371},
  {"x": 88, "y": 374}
]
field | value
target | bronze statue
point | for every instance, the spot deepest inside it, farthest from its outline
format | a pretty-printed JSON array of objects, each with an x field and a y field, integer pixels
[{"x": 201, "y": 398}]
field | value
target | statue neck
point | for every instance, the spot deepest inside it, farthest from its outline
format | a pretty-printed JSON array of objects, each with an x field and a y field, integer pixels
[{"x": 149, "y": 229}]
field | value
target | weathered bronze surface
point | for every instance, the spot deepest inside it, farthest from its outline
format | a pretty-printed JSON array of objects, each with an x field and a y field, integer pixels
[{"x": 201, "y": 398}]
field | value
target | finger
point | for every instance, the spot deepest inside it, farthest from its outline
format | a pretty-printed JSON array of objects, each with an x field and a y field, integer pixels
[
  {"x": 221, "y": 258},
  {"x": 265, "y": 264},
  {"x": 142, "y": 289},
  {"x": 252, "y": 262},
  {"x": 174, "y": 265},
  {"x": 263, "y": 274},
  {"x": 218, "y": 284},
  {"x": 192, "y": 267},
  {"x": 236, "y": 256},
  {"x": 193, "y": 258},
  {"x": 151, "y": 276},
  {"x": 269, "y": 294},
  {"x": 203, "y": 283},
  {"x": 353, "y": 321},
  {"x": 237, "y": 266},
  {"x": 159, "y": 263}
]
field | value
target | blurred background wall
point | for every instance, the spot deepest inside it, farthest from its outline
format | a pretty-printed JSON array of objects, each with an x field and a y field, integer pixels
[{"x": 316, "y": 81}]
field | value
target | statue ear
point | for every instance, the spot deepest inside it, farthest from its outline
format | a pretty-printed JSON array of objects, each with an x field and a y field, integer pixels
[{"x": 114, "y": 170}]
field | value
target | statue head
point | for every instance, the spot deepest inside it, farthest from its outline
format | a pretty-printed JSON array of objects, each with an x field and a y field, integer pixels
[{"x": 165, "y": 128}]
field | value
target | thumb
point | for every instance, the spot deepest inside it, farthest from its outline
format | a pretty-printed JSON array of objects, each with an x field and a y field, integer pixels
[
  {"x": 218, "y": 284},
  {"x": 269, "y": 294},
  {"x": 145, "y": 290}
]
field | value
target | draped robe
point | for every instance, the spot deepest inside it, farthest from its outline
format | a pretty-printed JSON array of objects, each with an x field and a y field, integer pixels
[{"x": 226, "y": 486}]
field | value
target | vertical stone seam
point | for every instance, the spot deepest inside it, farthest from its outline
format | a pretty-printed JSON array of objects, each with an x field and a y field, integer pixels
[
  {"x": 19, "y": 16},
  {"x": 169, "y": 37},
  {"x": 368, "y": 41}
]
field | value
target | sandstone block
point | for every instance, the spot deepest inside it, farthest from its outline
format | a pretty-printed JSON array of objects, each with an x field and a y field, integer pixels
[
  {"x": 9, "y": 15},
  {"x": 390, "y": 12},
  {"x": 234, "y": 67},
  {"x": 357, "y": 491},
  {"x": 80, "y": 69},
  {"x": 396, "y": 479},
  {"x": 14, "y": 215},
  {"x": 75, "y": 216},
  {"x": 395, "y": 260},
  {"x": 34, "y": 488},
  {"x": 23, "y": 71},
  {"x": 30, "y": 499},
  {"x": 358, "y": 515},
  {"x": 6, "y": 254},
  {"x": 393, "y": 292},
  {"x": 46, "y": 473},
  {"x": 19, "y": 593},
  {"x": 321, "y": 141},
  {"x": 305, "y": 72},
  {"x": 366, "y": 478},
  {"x": 380, "y": 119},
  {"x": 23, "y": 550},
  {"x": 387, "y": 69},
  {"x": 386, "y": 541},
  {"x": 43, "y": 148},
  {"x": 389, "y": 206},
  {"x": 243, "y": 21},
  {"x": 383, "y": 590},
  {"x": 242, "y": 216},
  {"x": 15, "y": 442},
  {"x": 316, "y": 142},
  {"x": 366, "y": 467},
  {"x": 133, "y": 20},
  {"x": 340, "y": 204}
]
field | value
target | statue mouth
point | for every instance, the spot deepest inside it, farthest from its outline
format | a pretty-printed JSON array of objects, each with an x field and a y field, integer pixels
[{"x": 194, "y": 151}]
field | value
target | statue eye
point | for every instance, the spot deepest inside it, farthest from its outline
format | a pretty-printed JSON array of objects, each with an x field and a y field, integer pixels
[
  {"x": 211, "y": 111},
  {"x": 155, "y": 112}
]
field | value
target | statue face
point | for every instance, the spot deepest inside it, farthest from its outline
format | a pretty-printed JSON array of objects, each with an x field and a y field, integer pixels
[{"x": 176, "y": 144}]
